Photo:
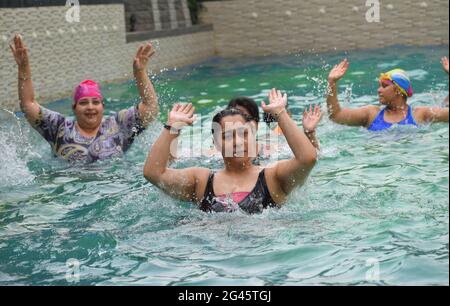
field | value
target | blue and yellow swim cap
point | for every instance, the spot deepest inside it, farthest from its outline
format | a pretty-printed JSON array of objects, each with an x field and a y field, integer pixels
[{"x": 400, "y": 79}]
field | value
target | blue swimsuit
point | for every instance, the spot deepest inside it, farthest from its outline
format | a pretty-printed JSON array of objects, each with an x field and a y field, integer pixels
[{"x": 379, "y": 124}]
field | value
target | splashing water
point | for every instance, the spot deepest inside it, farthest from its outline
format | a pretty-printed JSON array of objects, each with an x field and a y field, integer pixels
[{"x": 373, "y": 198}]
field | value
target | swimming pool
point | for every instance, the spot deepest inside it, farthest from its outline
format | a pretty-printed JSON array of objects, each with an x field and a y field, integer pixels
[{"x": 375, "y": 210}]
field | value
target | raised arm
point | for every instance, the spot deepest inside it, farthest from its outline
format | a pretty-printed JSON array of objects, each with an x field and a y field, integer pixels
[
  {"x": 28, "y": 103},
  {"x": 353, "y": 117},
  {"x": 178, "y": 183},
  {"x": 149, "y": 107},
  {"x": 444, "y": 62},
  {"x": 290, "y": 174},
  {"x": 425, "y": 114},
  {"x": 311, "y": 119}
]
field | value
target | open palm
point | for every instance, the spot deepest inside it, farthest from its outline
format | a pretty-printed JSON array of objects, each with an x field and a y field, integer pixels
[
  {"x": 338, "y": 71},
  {"x": 311, "y": 118},
  {"x": 181, "y": 115},
  {"x": 277, "y": 102},
  {"x": 143, "y": 55},
  {"x": 19, "y": 51}
]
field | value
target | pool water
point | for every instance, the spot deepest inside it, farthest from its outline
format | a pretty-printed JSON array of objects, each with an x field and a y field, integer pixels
[{"x": 374, "y": 211}]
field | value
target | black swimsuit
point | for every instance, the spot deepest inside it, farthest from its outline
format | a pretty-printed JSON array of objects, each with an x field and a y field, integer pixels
[{"x": 258, "y": 199}]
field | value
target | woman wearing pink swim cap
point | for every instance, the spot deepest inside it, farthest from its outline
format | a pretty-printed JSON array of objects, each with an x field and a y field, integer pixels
[
  {"x": 90, "y": 136},
  {"x": 393, "y": 92}
]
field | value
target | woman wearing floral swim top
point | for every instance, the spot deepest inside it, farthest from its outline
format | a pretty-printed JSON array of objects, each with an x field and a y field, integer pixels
[{"x": 90, "y": 136}]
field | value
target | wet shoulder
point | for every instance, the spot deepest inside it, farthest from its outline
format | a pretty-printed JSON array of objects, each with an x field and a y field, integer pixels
[
  {"x": 373, "y": 111},
  {"x": 420, "y": 113}
]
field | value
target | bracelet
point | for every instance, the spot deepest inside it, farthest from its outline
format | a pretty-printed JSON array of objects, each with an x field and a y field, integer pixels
[
  {"x": 278, "y": 115},
  {"x": 171, "y": 129}
]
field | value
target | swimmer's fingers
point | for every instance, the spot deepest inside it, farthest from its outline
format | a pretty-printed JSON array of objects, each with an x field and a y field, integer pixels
[
  {"x": 279, "y": 95},
  {"x": 17, "y": 41},
  {"x": 176, "y": 107},
  {"x": 148, "y": 50},
  {"x": 20, "y": 43},
  {"x": 191, "y": 112},
  {"x": 346, "y": 65},
  {"x": 264, "y": 106},
  {"x": 182, "y": 108},
  {"x": 13, "y": 49},
  {"x": 188, "y": 108},
  {"x": 318, "y": 112},
  {"x": 139, "y": 51},
  {"x": 271, "y": 95},
  {"x": 343, "y": 65}
]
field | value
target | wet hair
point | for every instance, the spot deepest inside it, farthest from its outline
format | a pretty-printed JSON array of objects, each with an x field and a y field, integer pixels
[
  {"x": 247, "y": 103},
  {"x": 229, "y": 112}
]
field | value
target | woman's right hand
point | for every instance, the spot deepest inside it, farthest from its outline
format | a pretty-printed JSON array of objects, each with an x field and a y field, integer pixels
[
  {"x": 338, "y": 71},
  {"x": 181, "y": 115},
  {"x": 20, "y": 52}
]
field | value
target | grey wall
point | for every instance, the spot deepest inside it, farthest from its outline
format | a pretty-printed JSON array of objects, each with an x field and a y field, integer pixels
[
  {"x": 63, "y": 54},
  {"x": 263, "y": 27}
]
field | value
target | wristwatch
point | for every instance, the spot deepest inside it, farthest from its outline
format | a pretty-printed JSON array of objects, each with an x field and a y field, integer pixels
[{"x": 171, "y": 129}]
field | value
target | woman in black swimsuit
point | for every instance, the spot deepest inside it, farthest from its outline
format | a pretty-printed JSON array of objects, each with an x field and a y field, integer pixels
[{"x": 241, "y": 184}]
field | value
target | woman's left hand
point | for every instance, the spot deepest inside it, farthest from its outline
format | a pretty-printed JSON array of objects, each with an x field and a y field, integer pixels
[
  {"x": 143, "y": 55},
  {"x": 278, "y": 103},
  {"x": 311, "y": 118}
]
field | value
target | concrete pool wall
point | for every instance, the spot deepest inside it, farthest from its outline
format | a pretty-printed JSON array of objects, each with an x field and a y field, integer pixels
[
  {"x": 62, "y": 54},
  {"x": 99, "y": 47},
  {"x": 266, "y": 27}
]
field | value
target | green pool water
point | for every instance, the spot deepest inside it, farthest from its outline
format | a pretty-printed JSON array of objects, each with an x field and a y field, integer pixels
[{"x": 374, "y": 211}]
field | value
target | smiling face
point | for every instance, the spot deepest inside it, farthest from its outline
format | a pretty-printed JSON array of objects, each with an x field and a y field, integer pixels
[
  {"x": 388, "y": 92},
  {"x": 89, "y": 112},
  {"x": 235, "y": 138}
]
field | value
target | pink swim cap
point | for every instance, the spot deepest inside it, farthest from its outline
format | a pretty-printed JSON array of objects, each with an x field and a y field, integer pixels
[{"x": 86, "y": 89}]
